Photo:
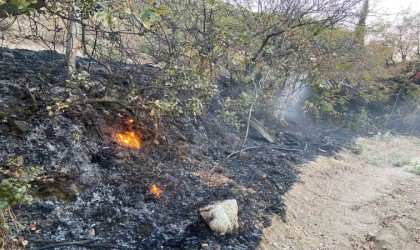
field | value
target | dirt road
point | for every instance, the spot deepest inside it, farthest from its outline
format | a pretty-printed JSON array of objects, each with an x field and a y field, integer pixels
[{"x": 366, "y": 199}]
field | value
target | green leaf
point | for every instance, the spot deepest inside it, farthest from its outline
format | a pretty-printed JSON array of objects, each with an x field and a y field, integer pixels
[
  {"x": 147, "y": 24},
  {"x": 342, "y": 67},
  {"x": 6, "y": 183},
  {"x": 161, "y": 9}
]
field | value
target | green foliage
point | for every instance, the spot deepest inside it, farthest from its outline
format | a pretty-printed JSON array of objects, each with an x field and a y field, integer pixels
[
  {"x": 186, "y": 90},
  {"x": 358, "y": 149},
  {"x": 15, "y": 189},
  {"x": 244, "y": 101},
  {"x": 194, "y": 42},
  {"x": 377, "y": 136},
  {"x": 232, "y": 119},
  {"x": 104, "y": 19},
  {"x": 233, "y": 107},
  {"x": 413, "y": 166},
  {"x": 163, "y": 107},
  {"x": 416, "y": 170},
  {"x": 20, "y": 4},
  {"x": 327, "y": 101},
  {"x": 17, "y": 7},
  {"x": 103, "y": 13},
  {"x": 402, "y": 163},
  {"x": 387, "y": 136},
  {"x": 361, "y": 121},
  {"x": 195, "y": 106},
  {"x": 80, "y": 79},
  {"x": 358, "y": 77}
]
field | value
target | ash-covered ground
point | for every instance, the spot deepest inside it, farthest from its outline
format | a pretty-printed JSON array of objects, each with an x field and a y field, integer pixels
[{"x": 95, "y": 192}]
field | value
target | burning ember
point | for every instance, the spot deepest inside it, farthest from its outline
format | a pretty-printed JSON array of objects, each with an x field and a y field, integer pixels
[
  {"x": 128, "y": 139},
  {"x": 130, "y": 121},
  {"x": 155, "y": 190}
]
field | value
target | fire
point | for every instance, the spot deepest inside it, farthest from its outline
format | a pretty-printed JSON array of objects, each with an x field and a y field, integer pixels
[
  {"x": 128, "y": 139},
  {"x": 155, "y": 190}
]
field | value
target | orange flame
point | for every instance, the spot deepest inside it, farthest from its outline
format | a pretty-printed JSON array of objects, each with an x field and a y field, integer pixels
[
  {"x": 155, "y": 190},
  {"x": 128, "y": 139}
]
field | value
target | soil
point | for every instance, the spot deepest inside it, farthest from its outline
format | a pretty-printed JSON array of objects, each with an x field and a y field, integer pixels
[{"x": 366, "y": 201}]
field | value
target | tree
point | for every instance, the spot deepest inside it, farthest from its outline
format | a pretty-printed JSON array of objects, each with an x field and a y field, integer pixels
[
  {"x": 404, "y": 39},
  {"x": 403, "y": 35},
  {"x": 97, "y": 15},
  {"x": 195, "y": 42},
  {"x": 361, "y": 24},
  {"x": 416, "y": 30}
]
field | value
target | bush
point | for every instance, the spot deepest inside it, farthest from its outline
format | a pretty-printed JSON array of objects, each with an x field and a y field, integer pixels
[{"x": 13, "y": 191}]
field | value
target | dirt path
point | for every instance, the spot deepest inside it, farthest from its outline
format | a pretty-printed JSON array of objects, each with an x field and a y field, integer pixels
[{"x": 369, "y": 200}]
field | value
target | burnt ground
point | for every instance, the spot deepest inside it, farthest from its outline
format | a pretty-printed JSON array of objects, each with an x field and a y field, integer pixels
[{"x": 94, "y": 189}]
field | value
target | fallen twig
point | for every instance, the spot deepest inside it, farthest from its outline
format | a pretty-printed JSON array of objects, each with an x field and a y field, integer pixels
[
  {"x": 83, "y": 243},
  {"x": 250, "y": 112},
  {"x": 67, "y": 243},
  {"x": 263, "y": 147}
]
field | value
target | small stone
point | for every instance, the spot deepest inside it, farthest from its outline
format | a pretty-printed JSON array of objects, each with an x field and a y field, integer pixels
[
  {"x": 279, "y": 187},
  {"x": 222, "y": 216},
  {"x": 24, "y": 243},
  {"x": 92, "y": 232},
  {"x": 370, "y": 236}
]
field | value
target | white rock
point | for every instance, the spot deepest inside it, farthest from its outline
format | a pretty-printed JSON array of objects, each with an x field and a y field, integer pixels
[{"x": 222, "y": 216}]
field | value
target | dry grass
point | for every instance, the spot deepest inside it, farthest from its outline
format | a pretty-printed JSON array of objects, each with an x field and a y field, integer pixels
[{"x": 9, "y": 230}]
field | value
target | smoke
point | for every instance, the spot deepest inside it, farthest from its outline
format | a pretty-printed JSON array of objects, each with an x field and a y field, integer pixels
[{"x": 291, "y": 99}]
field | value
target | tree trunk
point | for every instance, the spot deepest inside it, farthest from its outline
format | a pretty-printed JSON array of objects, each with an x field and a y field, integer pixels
[
  {"x": 361, "y": 24},
  {"x": 71, "y": 41}
]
